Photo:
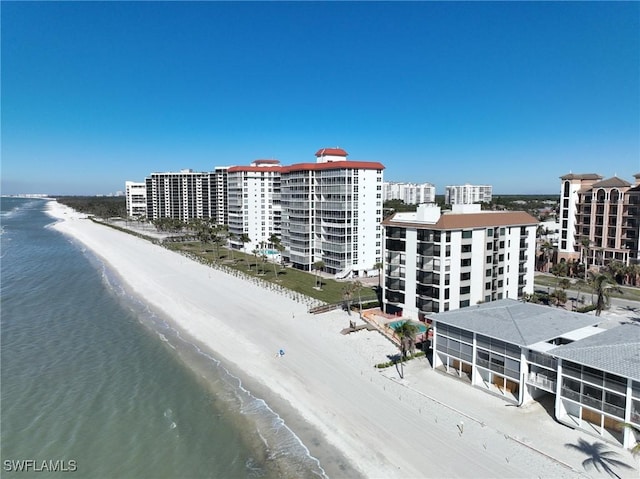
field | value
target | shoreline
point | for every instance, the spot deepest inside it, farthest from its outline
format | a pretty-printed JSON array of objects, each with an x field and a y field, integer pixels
[
  {"x": 326, "y": 388},
  {"x": 330, "y": 459}
]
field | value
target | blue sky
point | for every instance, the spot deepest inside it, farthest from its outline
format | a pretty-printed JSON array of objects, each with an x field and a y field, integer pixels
[{"x": 512, "y": 94}]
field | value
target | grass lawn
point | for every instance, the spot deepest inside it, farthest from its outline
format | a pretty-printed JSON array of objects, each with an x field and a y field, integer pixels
[
  {"x": 294, "y": 279},
  {"x": 632, "y": 294}
]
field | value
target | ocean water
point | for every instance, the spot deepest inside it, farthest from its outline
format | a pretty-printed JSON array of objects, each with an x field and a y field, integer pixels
[{"x": 95, "y": 382}]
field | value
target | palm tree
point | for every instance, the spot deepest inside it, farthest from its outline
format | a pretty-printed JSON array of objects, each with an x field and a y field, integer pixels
[
  {"x": 558, "y": 296},
  {"x": 277, "y": 245},
  {"x": 635, "y": 449},
  {"x": 318, "y": 265},
  {"x": 244, "y": 239},
  {"x": 603, "y": 285},
  {"x": 547, "y": 252},
  {"x": 406, "y": 333},
  {"x": 231, "y": 236},
  {"x": 378, "y": 266},
  {"x": 618, "y": 271},
  {"x": 255, "y": 254},
  {"x": 584, "y": 252}
]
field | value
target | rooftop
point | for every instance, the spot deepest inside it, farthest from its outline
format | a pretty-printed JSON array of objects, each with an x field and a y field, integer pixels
[
  {"x": 615, "y": 350},
  {"x": 516, "y": 322}
]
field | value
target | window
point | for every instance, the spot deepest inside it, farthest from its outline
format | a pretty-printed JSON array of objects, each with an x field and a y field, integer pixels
[
  {"x": 466, "y": 248},
  {"x": 466, "y": 234},
  {"x": 465, "y": 290}
]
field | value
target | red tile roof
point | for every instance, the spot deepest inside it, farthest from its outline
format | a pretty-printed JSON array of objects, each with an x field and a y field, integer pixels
[{"x": 331, "y": 152}]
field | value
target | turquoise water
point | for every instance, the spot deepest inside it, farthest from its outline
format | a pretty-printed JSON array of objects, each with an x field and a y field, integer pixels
[
  {"x": 394, "y": 324},
  {"x": 91, "y": 375}
]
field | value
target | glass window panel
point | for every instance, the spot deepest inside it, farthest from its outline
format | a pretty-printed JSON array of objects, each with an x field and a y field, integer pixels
[
  {"x": 591, "y": 375},
  {"x": 592, "y": 392},
  {"x": 466, "y": 336},
  {"x": 635, "y": 389},
  {"x": 617, "y": 383},
  {"x": 512, "y": 364},
  {"x": 614, "y": 399},
  {"x": 571, "y": 369},
  {"x": 483, "y": 341}
]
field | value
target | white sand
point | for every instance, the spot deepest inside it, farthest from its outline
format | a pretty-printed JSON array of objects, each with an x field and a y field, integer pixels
[{"x": 388, "y": 428}]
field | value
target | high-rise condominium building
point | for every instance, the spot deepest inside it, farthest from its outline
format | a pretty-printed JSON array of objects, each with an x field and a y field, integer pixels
[
  {"x": 467, "y": 194},
  {"x": 331, "y": 212},
  {"x": 136, "y": 196},
  {"x": 599, "y": 219},
  {"x": 219, "y": 195},
  {"x": 328, "y": 211},
  {"x": 410, "y": 193},
  {"x": 253, "y": 194},
  {"x": 185, "y": 195},
  {"x": 435, "y": 262}
]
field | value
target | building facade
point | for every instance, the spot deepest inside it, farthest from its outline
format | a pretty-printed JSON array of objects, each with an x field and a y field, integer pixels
[
  {"x": 184, "y": 195},
  {"x": 253, "y": 199},
  {"x": 523, "y": 352},
  {"x": 331, "y": 212},
  {"x": 136, "y": 197},
  {"x": 410, "y": 193},
  {"x": 467, "y": 194},
  {"x": 436, "y": 261},
  {"x": 219, "y": 195},
  {"x": 599, "y": 219}
]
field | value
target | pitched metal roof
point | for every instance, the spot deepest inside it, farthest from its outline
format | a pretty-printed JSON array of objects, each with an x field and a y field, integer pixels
[
  {"x": 516, "y": 322},
  {"x": 615, "y": 350}
]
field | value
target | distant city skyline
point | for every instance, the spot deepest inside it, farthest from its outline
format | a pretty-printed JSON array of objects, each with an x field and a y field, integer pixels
[{"x": 508, "y": 94}]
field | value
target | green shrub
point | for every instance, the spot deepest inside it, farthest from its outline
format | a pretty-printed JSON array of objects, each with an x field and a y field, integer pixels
[{"x": 586, "y": 309}]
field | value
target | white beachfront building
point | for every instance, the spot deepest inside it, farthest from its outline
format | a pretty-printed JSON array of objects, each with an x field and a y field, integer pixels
[
  {"x": 253, "y": 199},
  {"x": 331, "y": 212},
  {"x": 410, "y": 193},
  {"x": 467, "y": 194},
  {"x": 439, "y": 261},
  {"x": 136, "y": 197},
  {"x": 184, "y": 195}
]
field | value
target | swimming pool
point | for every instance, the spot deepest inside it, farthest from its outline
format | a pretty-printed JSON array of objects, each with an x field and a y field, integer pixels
[
  {"x": 270, "y": 252},
  {"x": 394, "y": 324}
]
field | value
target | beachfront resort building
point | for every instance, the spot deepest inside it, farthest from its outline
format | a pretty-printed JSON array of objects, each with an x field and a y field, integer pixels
[
  {"x": 599, "y": 219},
  {"x": 136, "y": 197},
  {"x": 439, "y": 261},
  {"x": 331, "y": 213},
  {"x": 253, "y": 204},
  {"x": 524, "y": 352},
  {"x": 184, "y": 195},
  {"x": 409, "y": 193},
  {"x": 327, "y": 211},
  {"x": 219, "y": 195},
  {"x": 467, "y": 194}
]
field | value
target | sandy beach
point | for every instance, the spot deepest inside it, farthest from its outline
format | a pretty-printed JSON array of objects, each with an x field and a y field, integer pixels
[{"x": 425, "y": 425}]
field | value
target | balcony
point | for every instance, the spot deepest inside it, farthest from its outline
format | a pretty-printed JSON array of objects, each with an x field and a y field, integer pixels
[{"x": 541, "y": 381}]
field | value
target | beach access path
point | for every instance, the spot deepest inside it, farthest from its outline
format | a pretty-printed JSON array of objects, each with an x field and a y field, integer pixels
[{"x": 385, "y": 426}]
